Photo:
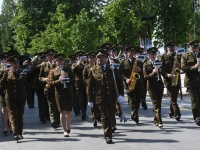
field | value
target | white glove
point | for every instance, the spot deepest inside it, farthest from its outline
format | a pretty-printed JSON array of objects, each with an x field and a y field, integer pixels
[
  {"x": 120, "y": 98},
  {"x": 90, "y": 104}
]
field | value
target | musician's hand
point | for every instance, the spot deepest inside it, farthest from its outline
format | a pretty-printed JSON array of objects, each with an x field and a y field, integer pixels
[
  {"x": 46, "y": 79},
  {"x": 61, "y": 77},
  {"x": 90, "y": 104},
  {"x": 170, "y": 76},
  {"x": 120, "y": 99},
  {"x": 137, "y": 69},
  {"x": 155, "y": 70},
  {"x": 128, "y": 81},
  {"x": 79, "y": 62},
  {"x": 196, "y": 65}
]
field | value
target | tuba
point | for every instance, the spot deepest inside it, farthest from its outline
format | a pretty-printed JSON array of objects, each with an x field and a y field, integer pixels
[{"x": 134, "y": 77}]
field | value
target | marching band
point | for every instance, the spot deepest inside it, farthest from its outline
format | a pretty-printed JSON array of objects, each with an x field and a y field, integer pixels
[{"x": 98, "y": 79}]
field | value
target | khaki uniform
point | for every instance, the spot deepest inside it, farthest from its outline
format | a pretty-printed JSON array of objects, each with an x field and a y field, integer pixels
[
  {"x": 192, "y": 82},
  {"x": 50, "y": 93},
  {"x": 96, "y": 116},
  {"x": 80, "y": 87},
  {"x": 2, "y": 89},
  {"x": 144, "y": 89},
  {"x": 155, "y": 89},
  {"x": 15, "y": 98},
  {"x": 63, "y": 96},
  {"x": 134, "y": 97},
  {"x": 101, "y": 91},
  {"x": 39, "y": 90},
  {"x": 167, "y": 65}
]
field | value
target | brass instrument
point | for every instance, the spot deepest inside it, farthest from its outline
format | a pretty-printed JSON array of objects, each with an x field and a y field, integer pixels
[
  {"x": 157, "y": 64},
  {"x": 48, "y": 85},
  {"x": 175, "y": 71},
  {"x": 134, "y": 77},
  {"x": 122, "y": 116}
]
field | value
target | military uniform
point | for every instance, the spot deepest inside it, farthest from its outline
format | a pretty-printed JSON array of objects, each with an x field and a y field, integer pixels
[
  {"x": 38, "y": 87},
  {"x": 134, "y": 96},
  {"x": 50, "y": 92},
  {"x": 155, "y": 88},
  {"x": 80, "y": 85},
  {"x": 76, "y": 107},
  {"x": 102, "y": 91},
  {"x": 192, "y": 80},
  {"x": 15, "y": 96},
  {"x": 96, "y": 116},
  {"x": 168, "y": 66}
]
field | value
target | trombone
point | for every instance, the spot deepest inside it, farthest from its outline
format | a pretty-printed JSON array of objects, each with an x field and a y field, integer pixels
[{"x": 122, "y": 118}]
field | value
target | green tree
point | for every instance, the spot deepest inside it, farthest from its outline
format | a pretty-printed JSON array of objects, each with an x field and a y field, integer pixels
[
  {"x": 7, "y": 14},
  {"x": 120, "y": 24}
]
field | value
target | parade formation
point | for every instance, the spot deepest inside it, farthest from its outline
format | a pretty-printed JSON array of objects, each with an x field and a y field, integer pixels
[{"x": 97, "y": 81}]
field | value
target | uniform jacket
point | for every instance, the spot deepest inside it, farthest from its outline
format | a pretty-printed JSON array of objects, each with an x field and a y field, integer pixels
[
  {"x": 14, "y": 85},
  {"x": 60, "y": 91},
  {"x": 86, "y": 71},
  {"x": 101, "y": 85},
  {"x": 125, "y": 70},
  {"x": 35, "y": 71},
  {"x": 2, "y": 89},
  {"x": 192, "y": 76},
  {"x": 78, "y": 74},
  {"x": 44, "y": 73},
  {"x": 167, "y": 66},
  {"x": 152, "y": 78}
]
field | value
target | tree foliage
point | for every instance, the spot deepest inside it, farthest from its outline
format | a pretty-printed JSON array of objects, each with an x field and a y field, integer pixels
[{"x": 68, "y": 26}]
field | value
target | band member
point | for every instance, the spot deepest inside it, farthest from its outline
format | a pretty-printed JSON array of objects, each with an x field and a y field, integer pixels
[
  {"x": 15, "y": 96},
  {"x": 140, "y": 51},
  {"x": 113, "y": 52},
  {"x": 107, "y": 47},
  {"x": 76, "y": 107},
  {"x": 49, "y": 91},
  {"x": 190, "y": 64},
  {"x": 102, "y": 91},
  {"x": 155, "y": 84},
  {"x": 4, "y": 110},
  {"x": 28, "y": 84},
  {"x": 131, "y": 71},
  {"x": 38, "y": 86},
  {"x": 80, "y": 85},
  {"x": 63, "y": 91},
  {"x": 171, "y": 64},
  {"x": 96, "y": 117}
]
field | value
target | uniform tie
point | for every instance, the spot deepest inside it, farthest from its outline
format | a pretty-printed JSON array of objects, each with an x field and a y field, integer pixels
[{"x": 102, "y": 67}]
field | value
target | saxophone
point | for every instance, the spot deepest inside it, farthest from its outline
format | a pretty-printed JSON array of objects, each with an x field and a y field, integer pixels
[
  {"x": 134, "y": 77},
  {"x": 175, "y": 71},
  {"x": 48, "y": 85}
]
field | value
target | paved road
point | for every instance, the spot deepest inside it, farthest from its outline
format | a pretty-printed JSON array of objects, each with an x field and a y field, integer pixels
[{"x": 175, "y": 135}]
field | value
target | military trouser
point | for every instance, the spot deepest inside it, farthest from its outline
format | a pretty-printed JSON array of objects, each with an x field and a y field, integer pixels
[
  {"x": 195, "y": 102},
  {"x": 41, "y": 102},
  {"x": 134, "y": 98},
  {"x": 76, "y": 107},
  {"x": 156, "y": 97},
  {"x": 144, "y": 93},
  {"x": 16, "y": 112},
  {"x": 107, "y": 117},
  {"x": 30, "y": 100},
  {"x": 173, "y": 94},
  {"x": 95, "y": 112},
  {"x": 53, "y": 110},
  {"x": 82, "y": 99}
]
